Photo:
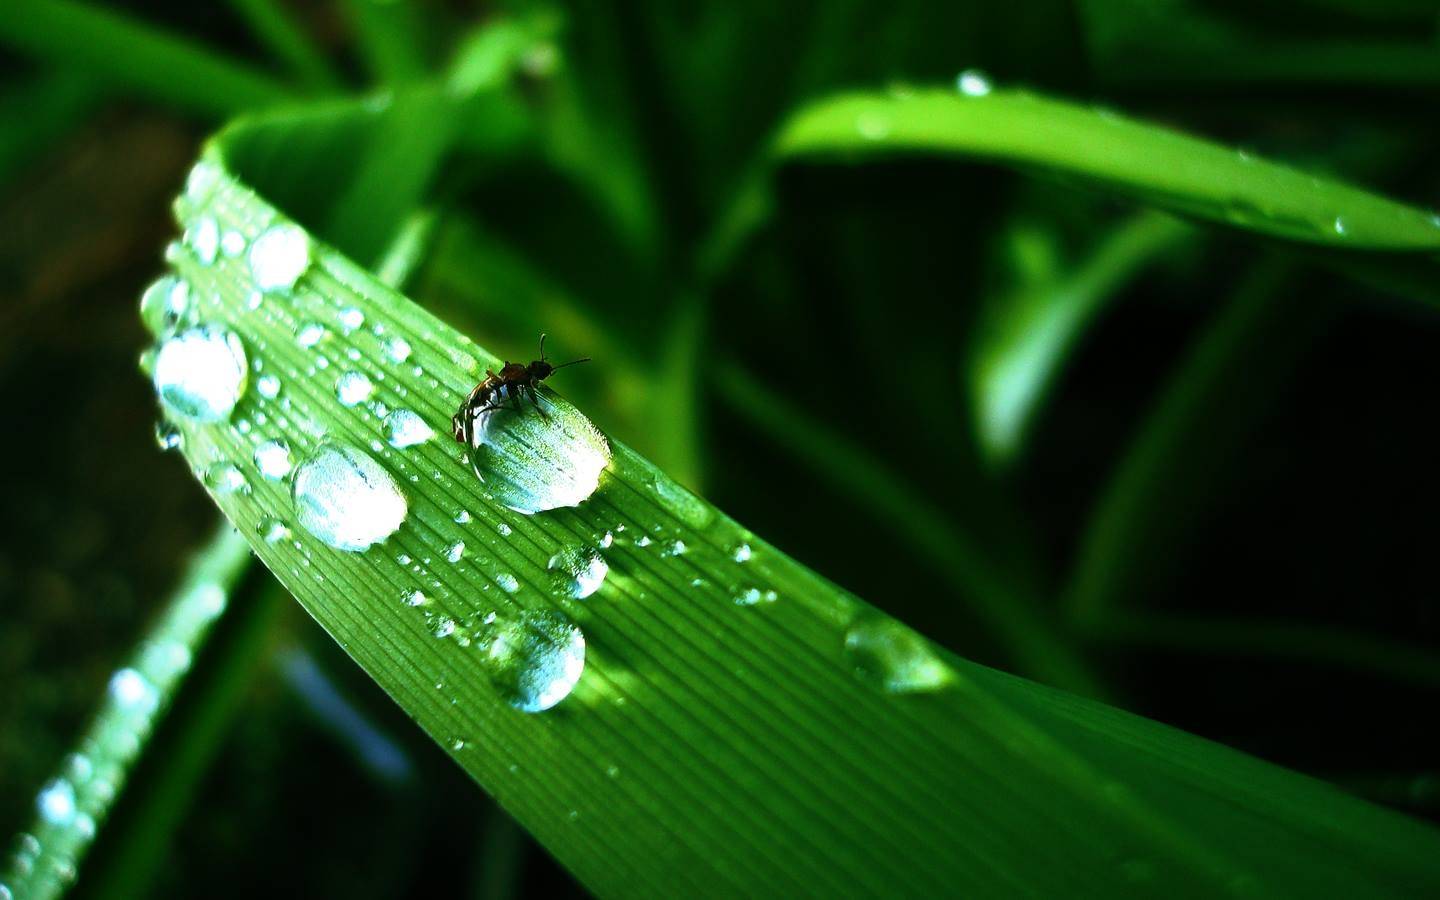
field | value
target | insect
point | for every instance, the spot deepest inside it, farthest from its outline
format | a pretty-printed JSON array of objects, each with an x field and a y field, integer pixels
[{"x": 503, "y": 390}]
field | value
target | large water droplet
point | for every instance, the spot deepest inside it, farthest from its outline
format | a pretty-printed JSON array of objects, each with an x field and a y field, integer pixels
[
  {"x": 404, "y": 428},
  {"x": 894, "y": 657},
  {"x": 201, "y": 373},
  {"x": 536, "y": 661},
  {"x": 272, "y": 458},
  {"x": 353, "y": 388},
  {"x": 578, "y": 571},
  {"x": 532, "y": 462},
  {"x": 279, "y": 256},
  {"x": 346, "y": 499}
]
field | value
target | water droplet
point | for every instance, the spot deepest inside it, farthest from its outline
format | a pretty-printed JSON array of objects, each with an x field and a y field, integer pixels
[
  {"x": 503, "y": 529},
  {"x": 279, "y": 256},
  {"x": 404, "y": 428},
  {"x": 57, "y": 802},
  {"x": 232, "y": 243},
  {"x": 973, "y": 83},
  {"x": 164, "y": 304},
  {"x": 536, "y": 661},
  {"x": 205, "y": 239},
  {"x": 578, "y": 571},
  {"x": 415, "y": 597},
  {"x": 130, "y": 689},
  {"x": 268, "y": 386},
  {"x": 883, "y": 651},
  {"x": 353, "y": 388},
  {"x": 462, "y": 517},
  {"x": 168, "y": 437},
  {"x": 751, "y": 597},
  {"x": 533, "y": 462},
  {"x": 272, "y": 530},
  {"x": 457, "y": 744},
  {"x": 351, "y": 318},
  {"x": 455, "y": 551},
  {"x": 397, "y": 349},
  {"x": 676, "y": 548},
  {"x": 272, "y": 458},
  {"x": 225, "y": 478},
  {"x": 203, "y": 177},
  {"x": 507, "y": 582},
  {"x": 741, "y": 553},
  {"x": 309, "y": 334},
  {"x": 443, "y": 627},
  {"x": 1340, "y": 226},
  {"x": 201, "y": 373},
  {"x": 344, "y": 498}
]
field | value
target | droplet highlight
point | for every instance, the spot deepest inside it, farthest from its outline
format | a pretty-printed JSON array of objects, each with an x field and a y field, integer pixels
[{"x": 346, "y": 499}]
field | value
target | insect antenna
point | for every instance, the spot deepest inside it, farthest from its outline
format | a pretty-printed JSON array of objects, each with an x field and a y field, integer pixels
[
  {"x": 571, "y": 363},
  {"x": 542, "y": 346}
]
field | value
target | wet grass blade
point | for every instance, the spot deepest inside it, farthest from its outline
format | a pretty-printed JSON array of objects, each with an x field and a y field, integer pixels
[
  {"x": 667, "y": 702},
  {"x": 1153, "y": 164},
  {"x": 74, "y": 804}
]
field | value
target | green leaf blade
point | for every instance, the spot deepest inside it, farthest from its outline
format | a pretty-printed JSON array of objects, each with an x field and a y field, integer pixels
[{"x": 1150, "y": 163}]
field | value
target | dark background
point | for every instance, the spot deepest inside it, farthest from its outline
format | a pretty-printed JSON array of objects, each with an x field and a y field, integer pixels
[{"x": 1307, "y": 501}]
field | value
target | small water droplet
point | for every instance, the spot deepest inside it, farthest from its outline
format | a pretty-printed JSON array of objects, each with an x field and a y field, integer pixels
[
  {"x": 751, "y": 597},
  {"x": 272, "y": 530},
  {"x": 351, "y": 318},
  {"x": 578, "y": 571},
  {"x": 168, "y": 437},
  {"x": 741, "y": 553},
  {"x": 225, "y": 478},
  {"x": 462, "y": 517},
  {"x": 232, "y": 243},
  {"x": 883, "y": 651},
  {"x": 309, "y": 334},
  {"x": 507, "y": 582},
  {"x": 353, "y": 388},
  {"x": 676, "y": 548},
  {"x": 973, "y": 83},
  {"x": 455, "y": 551},
  {"x": 205, "y": 239},
  {"x": 503, "y": 529},
  {"x": 57, "y": 802},
  {"x": 457, "y": 744},
  {"x": 415, "y": 597},
  {"x": 444, "y": 627},
  {"x": 201, "y": 373},
  {"x": 397, "y": 349},
  {"x": 279, "y": 256},
  {"x": 165, "y": 304},
  {"x": 404, "y": 428},
  {"x": 1339, "y": 225},
  {"x": 131, "y": 691},
  {"x": 346, "y": 499},
  {"x": 272, "y": 458},
  {"x": 536, "y": 661},
  {"x": 268, "y": 386}
]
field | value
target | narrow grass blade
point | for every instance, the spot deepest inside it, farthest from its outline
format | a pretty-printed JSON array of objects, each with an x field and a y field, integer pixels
[
  {"x": 1150, "y": 163},
  {"x": 110, "y": 45},
  {"x": 74, "y": 804},
  {"x": 285, "y": 38},
  {"x": 1027, "y": 334}
]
